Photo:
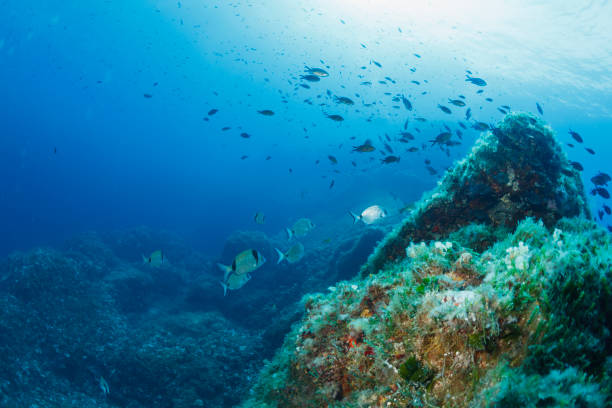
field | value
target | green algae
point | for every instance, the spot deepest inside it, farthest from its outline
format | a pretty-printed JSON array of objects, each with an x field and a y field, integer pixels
[{"x": 414, "y": 371}]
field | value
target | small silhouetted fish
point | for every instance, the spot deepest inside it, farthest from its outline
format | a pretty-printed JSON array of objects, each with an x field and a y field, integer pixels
[
  {"x": 489, "y": 99},
  {"x": 601, "y": 191},
  {"x": 390, "y": 159},
  {"x": 479, "y": 91},
  {"x": 316, "y": 71},
  {"x": 406, "y": 124},
  {"x": 259, "y": 218},
  {"x": 354, "y": 164},
  {"x": 570, "y": 144},
  {"x": 539, "y": 108},
  {"x": 576, "y": 136},
  {"x": 245, "y": 135},
  {"x": 462, "y": 125},
  {"x": 212, "y": 112},
  {"x": 332, "y": 183},
  {"x": 457, "y": 102},
  {"x": 412, "y": 149},
  {"x": 600, "y": 213},
  {"x": 226, "y": 128},
  {"x": 366, "y": 83},
  {"x": 406, "y": 103},
  {"x": 363, "y": 45},
  {"x": 577, "y": 165},
  {"x": 388, "y": 148},
  {"x": 506, "y": 107},
  {"x": 444, "y": 109},
  {"x": 377, "y": 64},
  {"x": 567, "y": 172},
  {"x": 607, "y": 209},
  {"x": 407, "y": 135},
  {"x": 266, "y": 112},
  {"x": 588, "y": 149},
  {"x": 344, "y": 100},
  {"x": 441, "y": 139},
  {"x": 427, "y": 161},
  {"x": 147, "y": 95},
  {"x": 335, "y": 118},
  {"x": 364, "y": 148},
  {"x": 305, "y": 86},
  {"x": 311, "y": 78},
  {"x": 332, "y": 159},
  {"x": 416, "y": 82},
  {"x": 268, "y": 157},
  {"x": 420, "y": 119},
  {"x": 480, "y": 126},
  {"x": 601, "y": 179},
  {"x": 431, "y": 170},
  {"x": 387, "y": 137},
  {"x": 476, "y": 81},
  {"x": 502, "y": 111},
  {"x": 417, "y": 55},
  {"x": 243, "y": 157}
]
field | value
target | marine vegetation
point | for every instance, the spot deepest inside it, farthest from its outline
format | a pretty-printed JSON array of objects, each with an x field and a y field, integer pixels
[{"x": 511, "y": 307}]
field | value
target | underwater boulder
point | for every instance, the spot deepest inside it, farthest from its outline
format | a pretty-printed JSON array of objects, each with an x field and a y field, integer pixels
[
  {"x": 515, "y": 171},
  {"x": 525, "y": 323}
]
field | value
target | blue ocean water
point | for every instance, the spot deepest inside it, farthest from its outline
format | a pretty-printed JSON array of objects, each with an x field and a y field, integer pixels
[
  {"x": 74, "y": 75},
  {"x": 107, "y": 123}
]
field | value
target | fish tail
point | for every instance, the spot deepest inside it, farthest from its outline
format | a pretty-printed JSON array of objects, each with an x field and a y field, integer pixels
[
  {"x": 225, "y": 268},
  {"x": 281, "y": 256},
  {"x": 355, "y": 217},
  {"x": 289, "y": 234},
  {"x": 224, "y": 288},
  {"x": 145, "y": 260}
]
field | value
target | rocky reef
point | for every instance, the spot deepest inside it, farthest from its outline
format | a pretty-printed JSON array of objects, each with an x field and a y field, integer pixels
[
  {"x": 495, "y": 292},
  {"x": 515, "y": 171},
  {"x": 89, "y": 324}
]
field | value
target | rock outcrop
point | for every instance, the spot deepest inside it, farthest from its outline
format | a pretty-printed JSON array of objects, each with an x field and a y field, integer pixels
[{"x": 514, "y": 171}]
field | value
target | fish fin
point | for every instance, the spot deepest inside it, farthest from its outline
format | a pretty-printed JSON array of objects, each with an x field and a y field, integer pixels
[
  {"x": 281, "y": 256},
  {"x": 289, "y": 234},
  {"x": 145, "y": 260},
  {"x": 226, "y": 269},
  {"x": 355, "y": 217},
  {"x": 224, "y": 288}
]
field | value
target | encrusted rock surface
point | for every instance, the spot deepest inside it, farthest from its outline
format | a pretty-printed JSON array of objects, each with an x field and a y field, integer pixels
[{"x": 515, "y": 171}]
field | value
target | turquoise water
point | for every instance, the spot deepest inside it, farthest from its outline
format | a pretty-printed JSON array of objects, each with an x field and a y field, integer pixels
[{"x": 74, "y": 76}]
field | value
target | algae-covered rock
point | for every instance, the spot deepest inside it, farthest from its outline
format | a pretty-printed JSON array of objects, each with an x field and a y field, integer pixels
[
  {"x": 515, "y": 171},
  {"x": 486, "y": 296},
  {"x": 448, "y": 326}
]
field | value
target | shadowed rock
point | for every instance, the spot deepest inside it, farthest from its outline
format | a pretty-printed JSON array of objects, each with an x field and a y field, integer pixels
[{"x": 516, "y": 170}]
